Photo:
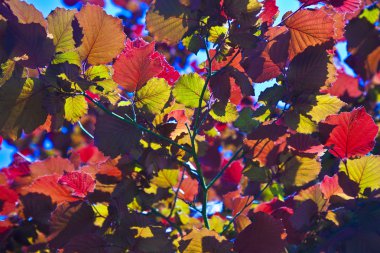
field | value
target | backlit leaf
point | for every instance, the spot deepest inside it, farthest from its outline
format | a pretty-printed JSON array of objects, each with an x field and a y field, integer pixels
[
  {"x": 326, "y": 105},
  {"x": 169, "y": 21},
  {"x": 308, "y": 28},
  {"x": 299, "y": 171},
  {"x": 166, "y": 178},
  {"x": 103, "y": 36},
  {"x": 60, "y": 26},
  {"x": 224, "y": 113},
  {"x": 196, "y": 241},
  {"x": 365, "y": 171},
  {"x": 48, "y": 185},
  {"x": 188, "y": 89},
  {"x": 79, "y": 182},
  {"x": 353, "y": 133},
  {"x": 75, "y": 108},
  {"x": 154, "y": 95}
]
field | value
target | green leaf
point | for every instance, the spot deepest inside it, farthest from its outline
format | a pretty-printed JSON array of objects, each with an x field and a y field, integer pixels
[
  {"x": 224, "y": 113},
  {"x": 154, "y": 95},
  {"x": 71, "y": 57},
  {"x": 98, "y": 72},
  {"x": 326, "y": 105},
  {"x": 365, "y": 171},
  {"x": 75, "y": 108},
  {"x": 188, "y": 89},
  {"x": 245, "y": 121},
  {"x": 60, "y": 26},
  {"x": 6, "y": 71}
]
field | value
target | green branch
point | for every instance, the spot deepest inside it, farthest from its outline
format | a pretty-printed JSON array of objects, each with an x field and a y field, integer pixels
[
  {"x": 233, "y": 158},
  {"x": 133, "y": 123}
]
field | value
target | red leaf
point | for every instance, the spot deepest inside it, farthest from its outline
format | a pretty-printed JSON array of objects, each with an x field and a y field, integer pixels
[
  {"x": 8, "y": 199},
  {"x": 304, "y": 144},
  {"x": 135, "y": 65},
  {"x": 345, "y": 87},
  {"x": 270, "y": 10},
  {"x": 353, "y": 133},
  {"x": 233, "y": 172},
  {"x": 79, "y": 182},
  {"x": 18, "y": 168},
  {"x": 138, "y": 63},
  {"x": 264, "y": 235}
]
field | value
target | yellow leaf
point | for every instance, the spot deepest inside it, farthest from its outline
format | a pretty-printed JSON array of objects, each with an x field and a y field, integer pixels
[
  {"x": 60, "y": 25},
  {"x": 306, "y": 125},
  {"x": 365, "y": 171},
  {"x": 71, "y": 57},
  {"x": 103, "y": 36},
  {"x": 224, "y": 113},
  {"x": 188, "y": 90},
  {"x": 326, "y": 105},
  {"x": 193, "y": 242},
  {"x": 166, "y": 178},
  {"x": 299, "y": 170},
  {"x": 168, "y": 20},
  {"x": 154, "y": 95},
  {"x": 143, "y": 232},
  {"x": 75, "y": 108}
]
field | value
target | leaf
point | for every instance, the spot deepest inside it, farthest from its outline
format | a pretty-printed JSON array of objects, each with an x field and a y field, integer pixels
[
  {"x": 87, "y": 243},
  {"x": 137, "y": 64},
  {"x": 113, "y": 136},
  {"x": 8, "y": 199},
  {"x": 313, "y": 193},
  {"x": 48, "y": 185},
  {"x": 270, "y": 12},
  {"x": 189, "y": 187},
  {"x": 20, "y": 106},
  {"x": 60, "y": 26},
  {"x": 365, "y": 171},
  {"x": 71, "y": 57},
  {"x": 266, "y": 63},
  {"x": 169, "y": 21},
  {"x": 103, "y": 36},
  {"x": 308, "y": 71},
  {"x": 345, "y": 87},
  {"x": 353, "y": 133},
  {"x": 237, "y": 8},
  {"x": 308, "y": 28},
  {"x": 264, "y": 235},
  {"x": 166, "y": 178},
  {"x": 188, "y": 89},
  {"x": 326, "y": 105},
  {"x": 299, "y": 171},
  {"x": 50, "y": 166},
  {"x": 26, "y": 13},
  {"x": 154, "y": 95},
  {"x": 79, "y": 182},
  {"x": 204, "y": 240},
  {"x": 69, "y": 220},
  {"x": 304, "y": 145},
  {"x": 224, "y": 113},
  {"x": 75, "y": 108},
  {"x": 330, "y": 186},
  {"x": 29, "y": 44}
]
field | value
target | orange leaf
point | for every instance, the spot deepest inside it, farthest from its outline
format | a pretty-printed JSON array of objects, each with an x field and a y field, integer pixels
[
  {"x": 103, "y": 36},
  {"x": 50, "y": 166},
  {"x": 308, "y": 28},
  {"x": 48, "y": 185}
]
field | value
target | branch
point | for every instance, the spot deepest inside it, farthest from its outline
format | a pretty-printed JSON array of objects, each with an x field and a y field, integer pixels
[
  {"x": 245, "y": 206},
  {"x": 133, "y": 123},
  {"x": 234, "y": 157}
]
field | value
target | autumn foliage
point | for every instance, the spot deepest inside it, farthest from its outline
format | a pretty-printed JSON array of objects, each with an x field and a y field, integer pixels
[{"x": 124, "y": 144}]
